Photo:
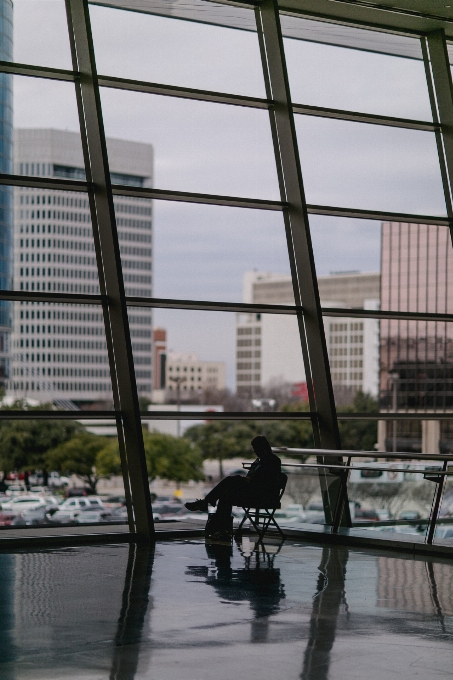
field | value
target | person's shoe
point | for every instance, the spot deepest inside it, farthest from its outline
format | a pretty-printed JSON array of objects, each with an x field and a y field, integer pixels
[{"x": 197, "y": 506}]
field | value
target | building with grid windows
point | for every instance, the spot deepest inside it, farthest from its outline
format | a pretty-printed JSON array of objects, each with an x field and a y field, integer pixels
[
  {"x": 193, "y": 374},
  {"x": 57, "y": 352},
  {"x": 268, "y": 349},
  {"x": 416, "y": 372},
  {"x": 6, "y": 194}
]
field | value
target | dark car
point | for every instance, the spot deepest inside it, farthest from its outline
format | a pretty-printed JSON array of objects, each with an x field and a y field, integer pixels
[
  {"x": 366, "y": 515},
  {"x": 76, "y": 491}
]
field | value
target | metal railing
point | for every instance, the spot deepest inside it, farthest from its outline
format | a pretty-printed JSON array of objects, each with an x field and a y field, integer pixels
[{"x": 437, "y": 475}]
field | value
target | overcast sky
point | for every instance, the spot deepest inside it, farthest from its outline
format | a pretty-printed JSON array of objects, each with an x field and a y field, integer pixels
[{"x": 201, "y": 252}]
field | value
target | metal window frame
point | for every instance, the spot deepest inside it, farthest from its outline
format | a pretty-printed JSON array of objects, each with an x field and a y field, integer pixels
[
  {"x": 119, "y": 346},
  {"x": 295, "y": 211}
]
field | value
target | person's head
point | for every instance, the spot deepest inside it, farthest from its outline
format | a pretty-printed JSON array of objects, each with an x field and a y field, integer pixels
[{"x": 261, "y": 446}]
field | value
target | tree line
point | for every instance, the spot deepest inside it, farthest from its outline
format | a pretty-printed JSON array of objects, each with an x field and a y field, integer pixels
[{"x": 68, "y": 448}]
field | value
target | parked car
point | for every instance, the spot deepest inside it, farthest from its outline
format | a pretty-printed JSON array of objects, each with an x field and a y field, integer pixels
[
  {"x": 362, "y": 515},
  {"x": 37, "y": 516},
  {"x": 314, "y": 508},
  {"x": 6, "y": 518},
  {"x": 64, "y": 516},
  {"x": 114, "y": 501},
  {"x": 409, "y": 515},
  {"x": 242, "y": 472},
  {"x": 76, "y": 491},
  {"x": 96, "y": 516},
  {"x": 80, "y": 503},
  {"x": 15, "y": 489},
  {"x": 295, "y": 510},
  {"x": 122, "y": 514},
  {"x": 21, "y": 503},
  {"x": 53, "y": 479}
]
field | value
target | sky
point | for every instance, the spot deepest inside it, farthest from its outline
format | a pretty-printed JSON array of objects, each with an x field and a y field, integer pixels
[{"x": 202, "y": 252}]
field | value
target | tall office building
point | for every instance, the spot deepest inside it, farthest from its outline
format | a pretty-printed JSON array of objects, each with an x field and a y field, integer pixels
[
  {"x": 268, "y": 349},
  {"x": 59, "y": 351},
  {"x": 416, "y": 372},
  {"x": 6, "y": 196}
]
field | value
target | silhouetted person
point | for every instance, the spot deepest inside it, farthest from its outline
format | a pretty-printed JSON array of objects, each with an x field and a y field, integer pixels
[{"x": 260, "y": 488}]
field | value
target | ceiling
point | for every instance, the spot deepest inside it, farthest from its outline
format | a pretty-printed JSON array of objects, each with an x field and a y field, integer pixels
[{"x": 386, "y": 26}]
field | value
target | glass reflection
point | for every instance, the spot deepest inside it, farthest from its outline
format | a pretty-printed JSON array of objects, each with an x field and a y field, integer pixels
[
  {"x": 258, "y": 582},
  {"x": 330, "y": 596},
  {"x": 134, "y": 609}
]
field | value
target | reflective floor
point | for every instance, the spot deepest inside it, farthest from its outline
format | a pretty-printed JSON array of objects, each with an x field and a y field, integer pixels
[{"x": 191, "y": 611}]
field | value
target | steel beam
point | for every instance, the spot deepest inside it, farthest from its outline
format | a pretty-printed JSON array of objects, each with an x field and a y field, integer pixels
[
  {"x": 440, "y": 88},
  {"x": 109, "y": 266},
  {"x": 370, "y": 118},
  {"x": 381, "y": 216},
  {"x": 300, "y": 250}
]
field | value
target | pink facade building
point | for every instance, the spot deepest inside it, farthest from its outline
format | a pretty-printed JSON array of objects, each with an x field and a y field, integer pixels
[{"x": 416, "y": 357}]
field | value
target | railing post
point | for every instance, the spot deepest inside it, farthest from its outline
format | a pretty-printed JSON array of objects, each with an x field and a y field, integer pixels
[
  {"x": 109, "y": 267},
  {"x": 305, "y": 287}
]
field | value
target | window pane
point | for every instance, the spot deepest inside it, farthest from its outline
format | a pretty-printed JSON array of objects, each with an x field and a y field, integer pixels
[
  {"x": 59, "y": 355},
  {"x": 368, "y": 166},
  {"x": 416, "y": 268},
  {"x": 332, "y": 76},
  {"x": 199, "y": 146},
  {"x": 260, "y": 357},
  {"x": 47, "y": 104},
  {"x": 53, "y": 236},
  {"x": 47, "y": 45},
  {"x": 175, "y": 52},
  {"x": 203, "y": 252},
  {"x": 343, "y": 245}
]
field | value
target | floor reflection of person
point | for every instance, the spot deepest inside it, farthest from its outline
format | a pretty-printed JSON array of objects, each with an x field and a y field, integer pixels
[
  {"x": 328, "y": 599},
  {"x": 260, "y": 488},
  {"x": 260, "y": 585}
]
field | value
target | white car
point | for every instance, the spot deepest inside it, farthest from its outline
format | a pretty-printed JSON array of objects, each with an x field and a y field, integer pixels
[
  {"x": 19, "y": 504},
  {"x": 82, "y": 503},
  {"x": 295, "y": 510}
]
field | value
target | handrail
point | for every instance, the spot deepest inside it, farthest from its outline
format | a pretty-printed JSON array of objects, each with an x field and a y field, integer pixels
[
  {"x": 436, "y": 475},
  {"x": 331, "y": 466},
  {"x": 391, "y": 455}
]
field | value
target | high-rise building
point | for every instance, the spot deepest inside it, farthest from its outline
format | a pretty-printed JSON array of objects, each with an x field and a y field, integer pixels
[
  {"x": 268, "y": 351},
  {"x": 6, "y": 196},
  {"x": 416, "y": 373},
  {"x": 59, "y": 351}
]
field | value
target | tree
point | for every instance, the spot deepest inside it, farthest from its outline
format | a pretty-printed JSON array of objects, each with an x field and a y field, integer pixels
[
  {"x": 86, "y": 455},
  {"x": 172, "y": 458},
  {"x": 24, "y": 443},
  {"x": 167, "y": 457},
  {"x": 359, "y": 435},
  {"x": 219, "y": 440}
]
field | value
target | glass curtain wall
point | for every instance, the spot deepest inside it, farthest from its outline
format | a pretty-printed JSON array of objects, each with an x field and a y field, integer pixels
[{"x": 279, "y": 173}]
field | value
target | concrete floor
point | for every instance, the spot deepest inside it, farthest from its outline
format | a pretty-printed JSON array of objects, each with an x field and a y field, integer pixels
[{"x": 191, "y": 611}]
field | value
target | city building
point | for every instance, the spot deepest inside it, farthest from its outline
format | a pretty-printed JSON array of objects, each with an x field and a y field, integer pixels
[
  {"x": 191, "y": 375},
  {"x": 268, "y": 351},
  {"x": 60, "y": 352},
  {"x": 6, "y": 193},
  {"x": 416, "y": 370}
]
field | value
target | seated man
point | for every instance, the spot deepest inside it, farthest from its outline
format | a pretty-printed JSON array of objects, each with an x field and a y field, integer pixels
[{"x": 260, "y": 488}]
